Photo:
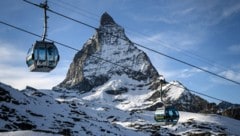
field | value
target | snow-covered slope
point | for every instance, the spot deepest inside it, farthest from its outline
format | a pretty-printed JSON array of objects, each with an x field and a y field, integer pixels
[
  {"x": 27, "y": 133},
  {"x": 68, "y": 112}
]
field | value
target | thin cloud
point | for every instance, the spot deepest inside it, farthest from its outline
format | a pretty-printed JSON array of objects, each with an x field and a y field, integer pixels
[
  {"x": 236, "y": 67},
  {"x": 176, "y": 41},
  {"x": 181, "y": 40},
  {"x": 186, "y": 11},
  {"x": 198, "y": 13},
  {"x": 234, "y": 9},
  {"x": 19, "y": 77},
  {"x": 62, "y": 29},
  {"x": 187, "y": 73},
  {"x": 9, "y": 53},
  {"x": 232, "y": 74},
  {"x": 171, "y": 73},
  {"x": 234, "y": 49}
]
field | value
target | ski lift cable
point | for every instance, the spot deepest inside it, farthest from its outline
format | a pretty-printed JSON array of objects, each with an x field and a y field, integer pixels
[
  {"x": 75, "y": 8},
  {"x": 64, "y": 5},
  {"x": 152, "y": 50},
  {"x": 221, "y": 100},
  {"x": 161, "y": 42},
  {"x": 67, "y": 46},
  {"x": 80, "y": 22},
  {"x": 185, "y": 52}
]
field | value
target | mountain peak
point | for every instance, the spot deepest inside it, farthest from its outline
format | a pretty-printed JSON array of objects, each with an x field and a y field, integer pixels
[
  {"x": 106, "y": 19},
  {"x": 109, "y": 44}
]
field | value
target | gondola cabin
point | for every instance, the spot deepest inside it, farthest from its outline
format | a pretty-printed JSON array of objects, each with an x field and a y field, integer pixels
[
  {"x": 43, "y": 56},
  {"x": 166, "y": 115}
]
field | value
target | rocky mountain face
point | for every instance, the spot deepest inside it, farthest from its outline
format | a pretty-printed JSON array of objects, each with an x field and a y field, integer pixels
[
  {"x": 109, "y": 52},
  {"x": 229, "y": 109}
]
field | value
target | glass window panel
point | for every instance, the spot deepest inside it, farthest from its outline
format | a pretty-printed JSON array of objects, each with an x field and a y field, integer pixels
[
  {"x": 29, "y": 62},
  {"x": 170, "y": 113},
  {"x": 41, "y": 53},
  {"x": 56, "y": 54},
  {"x": 50, "y": 54},
  {"x": 160, "y": 111}
]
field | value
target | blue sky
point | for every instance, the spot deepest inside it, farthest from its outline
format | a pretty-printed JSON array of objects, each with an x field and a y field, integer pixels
[{"x": 204, "y": 33}]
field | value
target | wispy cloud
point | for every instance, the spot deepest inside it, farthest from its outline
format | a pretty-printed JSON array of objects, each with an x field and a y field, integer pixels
[
  {"x": 233, "y": 73},
  {"x": 236, "y": 67},
  {"x": 230, "y": 74},
  {"x": 199, "y": 13},
  {"x": 186, "y": 11},
  {"x": 231, "y": 10},
  {"x": 181, "y": 40},
  {"x": 19, "y": 77},
  {"x": 62, "y": 29},
  {"x": 234, "y": 49},
  {"x": 9, "y": 53},
  {"x": 175, "y": 41},
  {"x": 186, "y": 73},
  {"x": 181, "y": 73}
]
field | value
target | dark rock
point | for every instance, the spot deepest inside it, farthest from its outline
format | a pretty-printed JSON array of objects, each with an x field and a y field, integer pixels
[
  {"x": 65, "y": 132},
  {"x": 232, "y": 112},
  {"x": 106, "y": 19},
  {"x": 4, "y": 95},
  {"x": 229, "y": 110},
  {"x": 31, "y": 88},
  {"x": 118, "y": 91},
  {"x": 227, "y": 105},
  {"x": 154, "y": 106},
  {"x": 34, "y": 114},
  {"x": 25, "y": 126},
  {"x": 75, "y": 78}
]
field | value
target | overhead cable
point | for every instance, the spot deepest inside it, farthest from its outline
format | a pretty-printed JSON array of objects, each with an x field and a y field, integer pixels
[
  {"x": 221, "y": 100},
  {"x": 187, "y": 53},
  {"x": 67, "y": 46},
  {"x": 152, "y": 50}
]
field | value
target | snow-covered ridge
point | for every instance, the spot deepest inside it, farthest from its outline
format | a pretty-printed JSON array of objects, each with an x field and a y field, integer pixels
[{"x": 67, "y": 112}]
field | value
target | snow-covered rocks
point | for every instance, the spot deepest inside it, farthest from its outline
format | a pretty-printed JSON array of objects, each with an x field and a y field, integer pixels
[{"x": 67, "y": 112}]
